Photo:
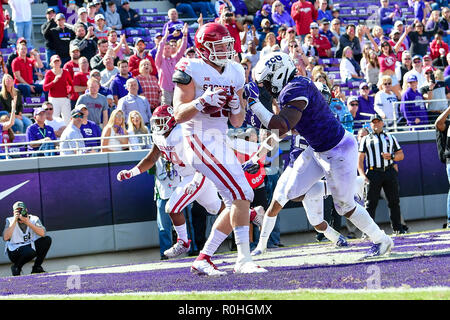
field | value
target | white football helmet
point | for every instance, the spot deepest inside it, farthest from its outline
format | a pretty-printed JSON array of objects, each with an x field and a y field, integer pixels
[{"x": 274, "y": 71}]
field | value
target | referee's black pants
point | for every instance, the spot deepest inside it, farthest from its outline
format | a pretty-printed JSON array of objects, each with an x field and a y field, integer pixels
[
  {"x": 24, "y": 254},
  {"x": 388, "y": 180}
]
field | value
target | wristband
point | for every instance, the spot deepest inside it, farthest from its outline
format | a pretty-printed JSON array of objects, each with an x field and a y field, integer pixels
[
  {"x": 252, "y": 102},
  {"x": 262, "y": 113},
  {"x": 198, "y": 105},
  {"x": 135, "y": 171}
]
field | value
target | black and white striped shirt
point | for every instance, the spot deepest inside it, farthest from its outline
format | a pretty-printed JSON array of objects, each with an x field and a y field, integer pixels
[{"x": 375, "y": 144}]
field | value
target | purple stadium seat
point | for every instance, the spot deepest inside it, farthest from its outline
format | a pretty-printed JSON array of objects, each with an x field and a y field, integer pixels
[
  {"x": 150, "y": 10},
  {"x": 34, "y": 100}
]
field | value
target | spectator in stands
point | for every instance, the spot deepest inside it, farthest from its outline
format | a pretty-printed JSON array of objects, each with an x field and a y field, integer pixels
[
  {"x": 139, "y": 54},
  {"x": 113, "y": 17},
  {"x": 365, "y": 105},
  {"x": 420, "y": 39},
  {"x": 97, "y": 60},
  {"x": 349, "y": 69},
  {"x": 149, "y": 83},
  {"x": 336, "y": 28},
  {"x": 308, "y": 47},
  {"x": 25, "y": 239},
  {"x": 378, "y": 35},
  {"x": 324, "y": 29},
  {"x": 58, "y": 84},
  {"x": 264, "y": 13},
  {"x": 22, "y": 67},
  {"x": 323, "y": 11},
  {"x": 398, "y": 26},
  {"x": 320, "y": 41},
  {"x": 384, "y": 99},
  {"x": 184, "y": 7},
  {"x": 395, "y": 37},
  {"x": 433, "y": 20},
  {"x": 56, "y": 123},
  {"x": 228, "y": 19},
  {"x": 421, "y": 10},
  {"x": 166, "y": 58},
  {"x": 404, "y": 67},
  {"x": 341, "y": 112},
  {"x": 434, "y": 89},
  {"x": 80, "y": 80},
  {"x": 128, "y": 17},
  {"x": 101, "y": 29},
  {"x": 441, "y": 61},
  {"x": 387, "y": 58},
  {"x": 121, "y": 47},
  {"x": 135, "y": 125},
  {"x": 104, "y": 90},
  {"x": 414, "y": 112},
  {"x": 372, "y": 71},
  {"x": 15, "y": 54},
  {"x": 266, "y": 29},
  {"x": 280, "y": 16},
  {"x": 287, "y": 39},
  {"x": 444, "y": 24},
  {"x": 438, "y": 44},
  {"x": 49, "y": 24},
  {"x": 110, "y": 71},
  {"x": 22, "y": 18},
  {"x": 427, "y": 62},
  {"x": 416, "y": 70},
  {"x": 3, "y": 22},
  {"x": 388, "y": 14},
  {"x": 447, "y": 69},
  {"x": 249, "y": 34},
  {"x": 72, "y": 66},
  {"x": 39, "y": 134},
  {"x": 95, "y": 103},
  {"x": 83, "y": 18},
  {"x": 89, "y": 129},
  {"x": 349, "y": 39},
  {"x": 298, "y": 57},
  {"x": 91, "y": 12},
  {"x": 60, "y": 37},
  {"x": 7, "y": 134},
  {"x": 100, "y": 6},
  {"x": 132, "y": 102},
  {"x": 8, "y": 95},
  {"x": 73, "y": 132},
  {"x": 70, "y": 12},
  {"x": 115, "y": 127},
  {"x": 174, "y": 27},
  {"x": 117, "y": 85},
  {"x": 303, "y": 13},
  {"x": 268, "y": 43}
]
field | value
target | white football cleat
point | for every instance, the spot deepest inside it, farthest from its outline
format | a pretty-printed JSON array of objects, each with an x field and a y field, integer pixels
[
  {"x": 248, "y": 267},
  {"x": 206, "y": 267},
  {"x": 178, "y": 249},
  {"x": 258, "y": 251},
  {"x": 258, "y": 220}
]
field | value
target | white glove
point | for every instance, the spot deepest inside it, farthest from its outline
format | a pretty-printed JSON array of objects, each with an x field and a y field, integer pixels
[
  {"x": 235, "y": 104},
  {"x": 193, "y": 186},
  {"x": 128, "y": 174},
  {"x": 211, "y": 98}
]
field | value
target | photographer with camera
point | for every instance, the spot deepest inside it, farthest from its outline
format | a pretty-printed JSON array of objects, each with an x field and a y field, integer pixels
[
  {"x": 434, "y": 89},
  {"x": 25, "y": 239}
]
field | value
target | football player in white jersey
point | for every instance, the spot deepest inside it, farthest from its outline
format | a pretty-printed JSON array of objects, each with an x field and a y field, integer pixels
[
  {"x": 208, "y": 94},
  {"x": 168, "y": 142}
]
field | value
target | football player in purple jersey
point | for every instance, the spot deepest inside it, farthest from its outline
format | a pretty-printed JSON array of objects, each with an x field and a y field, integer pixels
[{"x": 331, "y": 153}]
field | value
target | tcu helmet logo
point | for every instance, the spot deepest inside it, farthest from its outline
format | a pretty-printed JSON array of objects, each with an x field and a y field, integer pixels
[{"x": 274, "y": 61}]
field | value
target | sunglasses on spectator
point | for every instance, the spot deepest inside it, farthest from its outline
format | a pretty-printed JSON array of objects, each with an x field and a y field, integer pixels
[
  {"x": 48, "y": 109},
  {"x": 417, "y": 61},
  {"x": 419, "y": 26},
  {"x": 354, "y": 104},
  {"x": 365, "y": 88},
  {"x": 77, "y": 116},
  {"x": 314, "y": 28},
  {"x": 293, "y": 46},
  {"x": 406, "y": 58},
  {"x": 387, "y": 83}
]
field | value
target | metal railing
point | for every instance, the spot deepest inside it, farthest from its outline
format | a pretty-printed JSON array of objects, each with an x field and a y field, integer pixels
[{"x": 9, "y": 150}]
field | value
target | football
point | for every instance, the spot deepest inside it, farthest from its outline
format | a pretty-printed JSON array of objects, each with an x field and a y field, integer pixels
[{"x": 212, "y": 109}]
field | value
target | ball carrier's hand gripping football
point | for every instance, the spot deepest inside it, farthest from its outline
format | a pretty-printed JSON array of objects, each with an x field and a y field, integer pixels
[
  {"x": 193, "y": 186},
  {"x": 211, "y": 100}
]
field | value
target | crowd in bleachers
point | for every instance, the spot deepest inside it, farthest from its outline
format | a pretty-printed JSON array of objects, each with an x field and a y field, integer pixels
[{"x": 373, "y": 55}]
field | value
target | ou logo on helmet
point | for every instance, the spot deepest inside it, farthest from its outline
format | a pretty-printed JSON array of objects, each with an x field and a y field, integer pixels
[{"x": 273, "y": 60}]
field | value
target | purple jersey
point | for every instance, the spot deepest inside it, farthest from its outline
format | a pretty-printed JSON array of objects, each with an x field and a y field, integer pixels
[{"x": 317, "y": 125}]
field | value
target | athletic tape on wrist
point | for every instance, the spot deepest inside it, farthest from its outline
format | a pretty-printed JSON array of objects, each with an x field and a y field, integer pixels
[
  {"x": 135, "y": 171},
  {"x": 262, "y": 113}
]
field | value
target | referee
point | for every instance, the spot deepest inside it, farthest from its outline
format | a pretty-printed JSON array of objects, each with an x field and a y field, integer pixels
[{"x": 380, "y": 150}]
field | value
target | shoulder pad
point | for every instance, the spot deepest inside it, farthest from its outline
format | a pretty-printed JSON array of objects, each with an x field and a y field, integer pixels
[{"x": 181, "y": 77}]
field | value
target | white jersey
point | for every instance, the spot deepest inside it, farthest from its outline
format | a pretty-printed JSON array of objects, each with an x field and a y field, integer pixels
[
  {"x": 172, "y": 149},
  {"x": 232, "y": 79}
]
